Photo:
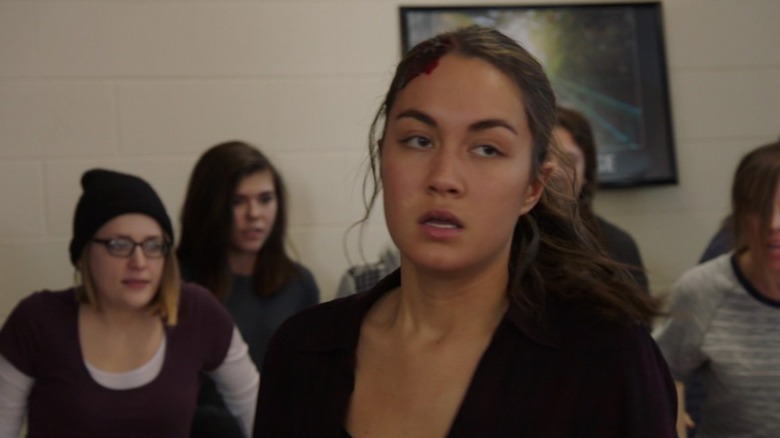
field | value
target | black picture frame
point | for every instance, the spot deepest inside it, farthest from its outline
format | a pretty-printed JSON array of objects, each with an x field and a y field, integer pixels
[{"x": 606, "y": 60}]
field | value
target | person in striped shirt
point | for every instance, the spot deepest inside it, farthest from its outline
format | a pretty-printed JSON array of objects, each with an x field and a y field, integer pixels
[{"x": 724, "y": 317}]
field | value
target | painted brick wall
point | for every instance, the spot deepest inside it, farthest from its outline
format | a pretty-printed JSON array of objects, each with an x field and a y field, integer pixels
[{"x": 146, "y": 86}]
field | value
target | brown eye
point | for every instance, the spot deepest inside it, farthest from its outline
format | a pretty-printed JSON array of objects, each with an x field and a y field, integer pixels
[
  {"x": 487, "y": 151},
  {"x": 417, "y": 141},
  {"x": 266, "y": 198}
]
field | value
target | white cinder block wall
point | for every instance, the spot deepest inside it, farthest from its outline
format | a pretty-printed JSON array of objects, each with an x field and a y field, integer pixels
[{"x": 146, "y": 86}]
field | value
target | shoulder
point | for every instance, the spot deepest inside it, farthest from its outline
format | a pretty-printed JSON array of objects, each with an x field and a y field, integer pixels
[
  {"x": 626, "y": 352},
  {"x": 205, "y": 328},
  {"x": 46, "y": 303},
  {"x": 614, "y": 234},
  {"x": 320, "y": 323},
  {"x": 575, "y": 326},
  {"x": 41, "y": 319},
  {"x": 332, "y": 324},
  {"x": 200, "y": 312},
  {"x": 320, "y": 328},
  {"x": 304, "y": 284},
  {"x": 304, "y": 274},
  {"x": 639, "y": 376},
  {"x": 196, "y": 303},
  {"x": 41, "y": 310},
  {"x": 706, "y": 283},
  {"x": 694, "y": 300},
  {"x": 193, "y": 294},
  {"x": 615, "y": 358},
  {"x": 591, "y": 332},
  {"x": 720, "y": 267}
]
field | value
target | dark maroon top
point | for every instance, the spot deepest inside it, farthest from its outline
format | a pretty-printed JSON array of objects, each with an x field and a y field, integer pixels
[
  {"x": 576, "y": 376},
  {"x": 40, "y": 338}
]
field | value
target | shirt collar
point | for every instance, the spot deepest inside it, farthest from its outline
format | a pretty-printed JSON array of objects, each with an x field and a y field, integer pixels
[{"x": 346, "y": 316}]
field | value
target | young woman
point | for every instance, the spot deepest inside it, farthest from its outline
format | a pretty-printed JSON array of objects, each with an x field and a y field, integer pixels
[
  {"x": 724, "y": 322},
  {"x": 121, "y": 354},
  {"x": 506, "y": 317},
  {"x": 233, "y": 231}
]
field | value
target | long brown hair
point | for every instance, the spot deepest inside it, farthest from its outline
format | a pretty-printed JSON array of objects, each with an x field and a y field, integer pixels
[
  {"x": 578, "y": 126},
  {"x": 581, "y": 132},
  {"x": 207, "y": 220},
  {"x": 554, "y": 255}
]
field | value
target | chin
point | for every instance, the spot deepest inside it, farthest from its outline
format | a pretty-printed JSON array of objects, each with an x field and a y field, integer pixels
[
  {"x": 250, "y": 247},
  {"x": 440, "y": 263},
  {"x": 773, "y": 265},
  {"x": 251, "y": 251}
]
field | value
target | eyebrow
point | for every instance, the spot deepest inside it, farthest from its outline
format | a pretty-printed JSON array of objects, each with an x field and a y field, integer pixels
[
  {"x": 130, "y": 238},
  {"x": 262, "y": 192},
  {"x": 474, "y": 127}
]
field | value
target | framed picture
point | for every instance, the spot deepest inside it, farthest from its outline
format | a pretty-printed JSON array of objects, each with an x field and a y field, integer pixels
[{"x": 605, "y": 60}]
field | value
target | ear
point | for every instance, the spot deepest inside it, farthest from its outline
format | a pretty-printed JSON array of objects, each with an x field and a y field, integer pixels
[{"x": 536, "y": 187}]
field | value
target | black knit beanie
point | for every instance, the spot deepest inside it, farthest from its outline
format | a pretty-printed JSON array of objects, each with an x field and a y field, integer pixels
[{"x": 108, "y": 194}]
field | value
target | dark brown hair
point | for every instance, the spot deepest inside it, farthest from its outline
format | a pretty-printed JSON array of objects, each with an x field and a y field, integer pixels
[
  {"x": 207, "y": 220},
  {"x": 582, "y": 134},
  {"x": 578, "y": 126},
  {"x": 554, "y": 255}
]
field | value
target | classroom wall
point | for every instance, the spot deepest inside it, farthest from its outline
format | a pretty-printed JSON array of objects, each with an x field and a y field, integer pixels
[{"x": 146, "y": 86}]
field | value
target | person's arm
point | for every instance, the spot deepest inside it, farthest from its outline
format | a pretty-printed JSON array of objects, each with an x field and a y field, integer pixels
[
  {"x": 684, "y": 421},
  {"x": 15, "y": 388},
  {"x": 238, "y": 381},
  {"x": 650, "y": 403},
  {"x": 680, "y": 335}
]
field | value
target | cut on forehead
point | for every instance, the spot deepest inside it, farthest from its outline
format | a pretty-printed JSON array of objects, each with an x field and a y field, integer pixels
[
  {"x": 464, "y": 90},
  {"x": 488, "y": 45}
]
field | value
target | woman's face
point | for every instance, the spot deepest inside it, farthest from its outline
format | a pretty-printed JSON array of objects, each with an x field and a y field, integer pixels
[
  {"x": 254, "y": 212},
  {"x": 767, "y": 245},
  {"x": 456, "y": 166},
  {"x": 127, "y": 282}
]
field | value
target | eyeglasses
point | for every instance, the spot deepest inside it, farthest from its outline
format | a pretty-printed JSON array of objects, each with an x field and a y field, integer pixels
[{"x": 123, "y": 247}]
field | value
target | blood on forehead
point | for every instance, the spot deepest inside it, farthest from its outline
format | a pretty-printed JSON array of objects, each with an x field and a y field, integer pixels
[
  {"x": 428, "y": 69},
  {"x": 427, "y": 58}
]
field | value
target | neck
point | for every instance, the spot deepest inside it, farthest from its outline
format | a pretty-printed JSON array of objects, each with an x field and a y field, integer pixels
[
  {"x": 438, "y": 306},
  {"x": 242, "y": 263}
]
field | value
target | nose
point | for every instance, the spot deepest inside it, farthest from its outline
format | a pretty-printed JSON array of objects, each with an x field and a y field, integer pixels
[
  {"x": 775, "y": 224},
  {"x": 445, "y": 173},
  {"x": 253, "y": 209},
  {"x": 137, "y": 258}
]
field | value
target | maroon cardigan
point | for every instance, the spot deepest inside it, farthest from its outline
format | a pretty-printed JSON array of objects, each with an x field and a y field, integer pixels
[{"x": 577, "y": 377}]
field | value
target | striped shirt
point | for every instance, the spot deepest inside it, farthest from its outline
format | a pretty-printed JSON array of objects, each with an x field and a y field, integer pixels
[{"x": 725, "y": 331}]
